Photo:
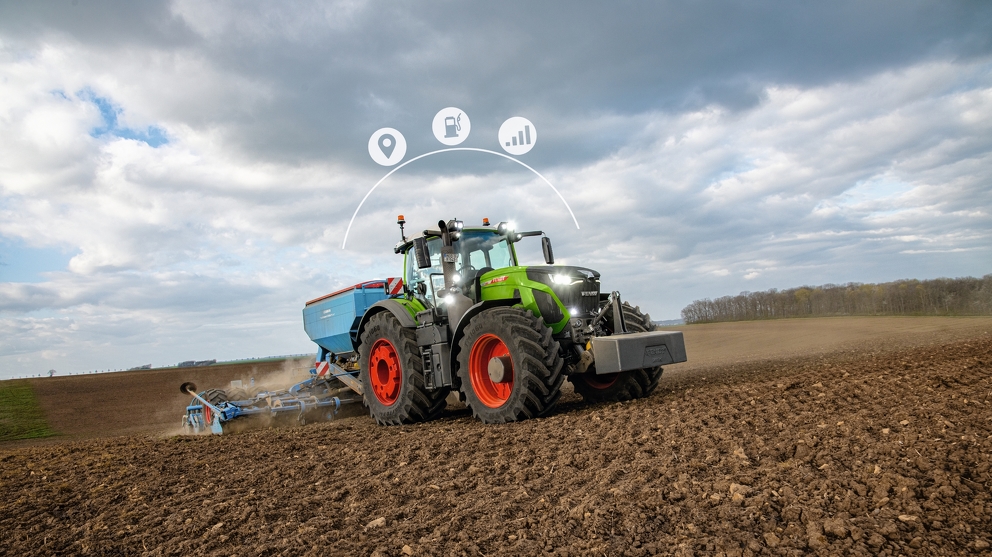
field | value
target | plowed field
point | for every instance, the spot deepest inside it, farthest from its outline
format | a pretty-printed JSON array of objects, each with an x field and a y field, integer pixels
[{"x": 875, "y": 446}]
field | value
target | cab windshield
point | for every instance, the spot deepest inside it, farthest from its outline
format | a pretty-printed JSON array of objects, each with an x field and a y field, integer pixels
[{"x": 478, "y": 251}]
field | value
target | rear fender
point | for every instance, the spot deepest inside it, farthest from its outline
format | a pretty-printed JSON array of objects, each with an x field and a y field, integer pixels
[{"x": 404, "y": 310}]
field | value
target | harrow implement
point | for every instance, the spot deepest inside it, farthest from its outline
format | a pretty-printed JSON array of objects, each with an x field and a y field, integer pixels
[{"x": 318, "y": 398}]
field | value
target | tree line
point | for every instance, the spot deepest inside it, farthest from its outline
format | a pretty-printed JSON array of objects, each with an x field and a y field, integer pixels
[{"x": 943, "y": 296}]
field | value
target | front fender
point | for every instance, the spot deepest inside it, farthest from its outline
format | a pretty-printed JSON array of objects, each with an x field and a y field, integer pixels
[{"x": 463, "y": 322}]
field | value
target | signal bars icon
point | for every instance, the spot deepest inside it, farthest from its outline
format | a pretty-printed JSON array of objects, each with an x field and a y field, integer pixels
[
  {"x": 517, "y": 135},
  {"x": 523, "y": 137}
]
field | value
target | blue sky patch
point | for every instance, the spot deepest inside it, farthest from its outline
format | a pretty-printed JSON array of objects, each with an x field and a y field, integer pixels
[
  {"x": 22, "y": 263},
  {"x": 152, "y": 135}
]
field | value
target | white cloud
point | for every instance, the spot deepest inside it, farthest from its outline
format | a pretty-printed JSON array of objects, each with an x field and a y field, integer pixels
[{"x": 208, "y": 245}]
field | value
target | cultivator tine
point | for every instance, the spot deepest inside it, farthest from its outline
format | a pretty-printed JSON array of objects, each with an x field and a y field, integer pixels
[{"x": 215, "y": 427}]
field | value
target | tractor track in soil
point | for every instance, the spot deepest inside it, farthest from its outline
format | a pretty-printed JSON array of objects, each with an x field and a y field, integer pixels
[{"x": 879, "y": 448}]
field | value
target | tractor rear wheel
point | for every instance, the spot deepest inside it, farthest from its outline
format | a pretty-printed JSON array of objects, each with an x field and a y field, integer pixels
[
  {"x": 509, "y": 366},
  {"x": 392, "y": 374},
  {"x": 625, "y": 385}
]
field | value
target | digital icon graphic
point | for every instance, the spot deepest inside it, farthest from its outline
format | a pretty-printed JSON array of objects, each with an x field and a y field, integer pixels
[
  {"x": 451, "y": 126},
  {"x": 387, "y": 146},
  {"x": 517, "y": 135},
  {"x": 387, "y": 143}
]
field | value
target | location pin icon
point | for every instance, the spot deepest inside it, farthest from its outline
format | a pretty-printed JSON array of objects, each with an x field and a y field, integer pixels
[{"x": 386, "y": 144}]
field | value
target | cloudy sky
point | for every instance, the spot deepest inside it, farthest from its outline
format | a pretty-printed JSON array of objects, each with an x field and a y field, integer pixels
[{"x": 176, "y": 178}]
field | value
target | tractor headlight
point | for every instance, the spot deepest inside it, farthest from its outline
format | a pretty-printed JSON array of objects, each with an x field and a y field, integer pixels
[{"x": 561, "y": 279}]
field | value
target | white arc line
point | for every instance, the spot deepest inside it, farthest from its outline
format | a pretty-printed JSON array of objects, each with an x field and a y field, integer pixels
[{"x": 390, "y": 173}]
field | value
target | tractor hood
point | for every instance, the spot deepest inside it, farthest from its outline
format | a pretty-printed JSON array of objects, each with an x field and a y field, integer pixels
[{"x": 577, "y": 288}]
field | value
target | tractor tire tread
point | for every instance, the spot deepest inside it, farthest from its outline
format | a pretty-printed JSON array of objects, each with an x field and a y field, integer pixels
[
  {"x": 237, "y": 394},
  {"x": 215, "y": 396},
  {"x": 538, "y": 364}
]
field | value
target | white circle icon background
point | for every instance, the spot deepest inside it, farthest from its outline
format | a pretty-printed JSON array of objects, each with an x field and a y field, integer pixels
[
  {"x": 387, "y": 146},
  {"x": 517, "y": 135},
  {"x": 451, "y": 126}
]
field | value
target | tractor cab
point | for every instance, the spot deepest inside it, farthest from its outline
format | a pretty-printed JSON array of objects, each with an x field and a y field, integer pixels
[{"x": 476, "y": 251}]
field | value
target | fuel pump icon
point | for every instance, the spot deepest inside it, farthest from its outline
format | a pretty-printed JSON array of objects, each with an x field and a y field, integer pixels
[{"x": 452, "y": 126}]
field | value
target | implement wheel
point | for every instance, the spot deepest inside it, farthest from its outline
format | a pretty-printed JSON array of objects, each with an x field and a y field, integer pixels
[
  {"x": 625, "y": 385},
  {"x": 215, "y": 397},
  {"x": 392, "y": 374},
  {"x": 509, "y": 366}
]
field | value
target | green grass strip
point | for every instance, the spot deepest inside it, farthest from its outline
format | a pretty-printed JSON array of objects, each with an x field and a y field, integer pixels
[{"x": 20, "y": 415}]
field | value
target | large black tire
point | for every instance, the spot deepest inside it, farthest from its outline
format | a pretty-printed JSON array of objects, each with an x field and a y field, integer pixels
[
  {"x": 236, "y": 393},
  {"x": 215, "y": 396},
  {"x": 531, "y": 366},
  {"x": 626, "y": 385},
  {"x": 392, "y": 374}
]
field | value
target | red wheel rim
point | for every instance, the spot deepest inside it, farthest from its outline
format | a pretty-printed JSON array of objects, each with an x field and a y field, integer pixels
[
  {"x": 604, "y": 381},
  {"x": 384, "y": 372},
  {"x": 490, "y": 393}
]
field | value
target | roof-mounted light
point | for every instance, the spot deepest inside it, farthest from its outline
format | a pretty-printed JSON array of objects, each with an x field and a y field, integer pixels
[{"x": 506, "y": 227}]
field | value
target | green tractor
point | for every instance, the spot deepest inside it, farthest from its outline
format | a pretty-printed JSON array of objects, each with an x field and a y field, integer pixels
[{"x": 503, "y": 336}]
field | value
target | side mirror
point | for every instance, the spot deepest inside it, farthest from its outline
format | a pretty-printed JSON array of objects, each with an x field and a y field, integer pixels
[
  {"x": 422, "y": 252},
  {"x": 549, "y": 254}
]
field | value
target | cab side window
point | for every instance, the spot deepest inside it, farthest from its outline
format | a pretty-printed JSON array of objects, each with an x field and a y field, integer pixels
[{"x": 433, "y": 273}]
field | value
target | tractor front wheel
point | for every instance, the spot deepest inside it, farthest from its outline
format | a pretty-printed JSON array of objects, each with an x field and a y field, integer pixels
[
  {"x": 509, "y": 366},
  {"x": 392, "y": 374},
  {"x": 616, "y": 387},
  {"x": 625, "y": 385}
]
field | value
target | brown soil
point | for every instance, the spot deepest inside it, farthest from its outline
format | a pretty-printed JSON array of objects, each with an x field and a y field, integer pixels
[
  {"x": 880, "y": 446},
  {"x": 715, "y": 344}
]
